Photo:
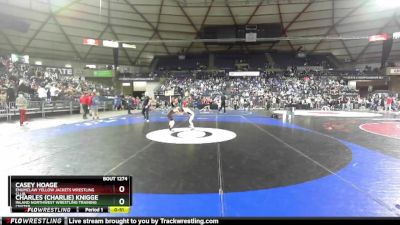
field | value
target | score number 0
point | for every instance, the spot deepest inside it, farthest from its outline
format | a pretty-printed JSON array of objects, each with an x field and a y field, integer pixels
[{"x": 122, "y": 190}]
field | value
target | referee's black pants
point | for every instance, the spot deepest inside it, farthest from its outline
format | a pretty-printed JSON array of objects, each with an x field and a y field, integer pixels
[
  {"x": 145, "y": 112},
  {"x": 222, "y": 106}
]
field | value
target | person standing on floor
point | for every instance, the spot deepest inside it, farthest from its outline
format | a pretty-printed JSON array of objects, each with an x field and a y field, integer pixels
[
  {"x": 22, "y": 105},
  {"x": 84, "y": 100},
  {"x": 117, "y": 103},
  {"x": 134, "y": 103},
  {"x": 235, "y": 104},
  {"x": 223, "y": 102},
  {"x": 129, "y": 104},
  {"x": 146, "y": 107},
  {"x": 185, "y": 108},
  {"x": 137, "y": 102},
  {"x": 389, "y": 102},
  {"x": 94, "y": 105}
]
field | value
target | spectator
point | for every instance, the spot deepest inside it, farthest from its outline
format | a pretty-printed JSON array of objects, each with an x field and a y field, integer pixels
[
  {"x": 48, "y": 95},
  {"x": 22, "y": 105},
  {"x": 10, "y": 94},
  {"x": 94, "y": 105},
  {"x": 42, "y": 93},
  {"x": 84, "y": 101},
  {"x": 389, "y": 101},
  {"x": 32, "y": 79},
  {"x": 117, "y": 103},
  {"x": 129, "y": 103},
  {"x": 3, "y": 99}
]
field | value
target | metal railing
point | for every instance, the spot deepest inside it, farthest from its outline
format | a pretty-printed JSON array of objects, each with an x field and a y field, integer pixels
[
  {"x": 43, "y": 108},
  {"x": 3, "y": 110}
]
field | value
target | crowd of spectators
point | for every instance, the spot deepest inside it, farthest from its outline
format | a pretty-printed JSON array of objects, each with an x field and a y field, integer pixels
[
  {"x": 37, "y": 83},
  {"x": 310, "y": 89},
  {"x": 304, "y": 90}
]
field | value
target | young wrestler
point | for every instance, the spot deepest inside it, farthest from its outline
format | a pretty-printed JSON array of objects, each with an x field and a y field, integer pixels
[{"x": 180, "y": 108}]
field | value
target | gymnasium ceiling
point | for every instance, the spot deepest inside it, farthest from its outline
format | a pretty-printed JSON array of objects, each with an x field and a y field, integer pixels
[{"x": 57, "y": 27}]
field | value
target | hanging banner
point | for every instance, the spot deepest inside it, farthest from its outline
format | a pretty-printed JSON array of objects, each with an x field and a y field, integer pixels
[
  {"x": 393, "y": 71},
  {"x": 103, "y": 73},
  {"x": 110, "y": 44},
  {"x": 138, "y": 79},
  {"x": 169, "y": 92},
  {"x": 95, "y": 73},
  {"x": 396, "y": 35},
  {"x": 309, "y": 68},
  {"x": 60, "y": 70},
  {"x": 90, "y": 41},
  {"x": 376, "y": 77},
  {"x": 379, "y": 37},
  {"x": 20, "y": 58},
  {"x": 244, "y": 74},
  {"x": 63, "y": 71}
]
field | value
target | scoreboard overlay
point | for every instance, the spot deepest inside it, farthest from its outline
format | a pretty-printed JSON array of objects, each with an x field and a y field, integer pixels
[{"x": 66, "y": 194}]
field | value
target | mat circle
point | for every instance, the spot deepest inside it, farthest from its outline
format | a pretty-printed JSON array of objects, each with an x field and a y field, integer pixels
[{"x": 199, "y": 135}]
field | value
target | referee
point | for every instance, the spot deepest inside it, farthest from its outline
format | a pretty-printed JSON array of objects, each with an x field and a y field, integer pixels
[
  {"x": 146, "y": 107},
  {"x": 223, "y": 99}
]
